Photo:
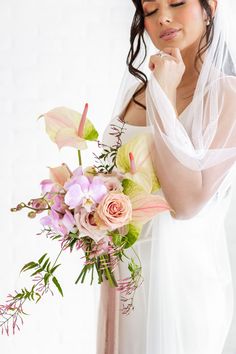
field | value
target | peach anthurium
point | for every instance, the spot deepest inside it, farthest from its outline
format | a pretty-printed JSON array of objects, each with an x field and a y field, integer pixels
[
  {"x": 144, "y": 205},
  {"x": 60, "y": 174},
  {"x": 143, "y": 173},
  {"x": 67, "y": 127}
]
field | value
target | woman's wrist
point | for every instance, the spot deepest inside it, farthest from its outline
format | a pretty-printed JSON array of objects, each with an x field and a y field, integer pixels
[{"x": 171, "y": 94}]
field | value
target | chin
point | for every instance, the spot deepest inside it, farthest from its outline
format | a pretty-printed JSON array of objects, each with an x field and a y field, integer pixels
[{"x": 172, "y": 44}]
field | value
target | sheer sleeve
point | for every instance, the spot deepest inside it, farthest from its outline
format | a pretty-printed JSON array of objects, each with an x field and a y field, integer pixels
[{"x": 193, "y": 155}]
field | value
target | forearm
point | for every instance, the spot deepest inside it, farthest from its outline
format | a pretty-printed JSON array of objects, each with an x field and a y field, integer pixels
[{"x": 181, "y": 186}]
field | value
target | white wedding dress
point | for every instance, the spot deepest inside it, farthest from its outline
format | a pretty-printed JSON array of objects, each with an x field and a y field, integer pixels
[{"x": 189, "y": 307}]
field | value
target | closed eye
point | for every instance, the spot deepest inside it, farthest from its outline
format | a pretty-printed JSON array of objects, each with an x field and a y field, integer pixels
[{"x": 172, "y": 5}]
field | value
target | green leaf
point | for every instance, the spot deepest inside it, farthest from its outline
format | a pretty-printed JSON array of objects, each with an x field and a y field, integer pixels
[
  {"x": 39, "y": 297},
  {"x": 56, "y": 237},
  {"x": 55, "y": 281},
  {"x": 117, "y": 239},
  {"x": 28, "y": 266},
  {"x": 45, "y": 264},
  {"x": 42, "y": 258},
  {"x": 48, "y": 267},
  {"x": 46, "y": 278},
  {"x": 132, "y": 235},
  {"x": 72, "y": 243},
  {"x": 37, "y": 271},
  {"x": 54, "y": 268},
  {"x": 82, "y": 274}
]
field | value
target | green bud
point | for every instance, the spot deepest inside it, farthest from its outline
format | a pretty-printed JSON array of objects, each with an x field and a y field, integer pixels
[
  {"x": 20, "y": 206},
  {"x": 32, "y": 214}
]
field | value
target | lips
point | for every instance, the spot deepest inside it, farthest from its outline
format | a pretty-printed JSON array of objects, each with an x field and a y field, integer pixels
[{"x": 168, "y": 32}]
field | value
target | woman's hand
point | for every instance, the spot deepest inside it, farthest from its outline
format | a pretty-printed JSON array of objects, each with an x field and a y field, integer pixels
[{"x": 168, "y": 70}]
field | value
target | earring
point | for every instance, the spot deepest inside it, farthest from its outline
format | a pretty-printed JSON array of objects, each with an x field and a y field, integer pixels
[{"x": 208, "y": 22}]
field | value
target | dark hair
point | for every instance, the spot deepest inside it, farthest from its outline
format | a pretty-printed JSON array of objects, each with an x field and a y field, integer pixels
[{"x": 137, "y": 32}]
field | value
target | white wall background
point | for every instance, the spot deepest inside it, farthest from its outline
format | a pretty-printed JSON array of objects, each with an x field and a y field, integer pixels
[{"x": 53, "y": 53}]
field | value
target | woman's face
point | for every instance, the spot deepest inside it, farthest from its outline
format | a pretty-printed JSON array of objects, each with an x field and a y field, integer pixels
[{"x": 187, "y": 17}]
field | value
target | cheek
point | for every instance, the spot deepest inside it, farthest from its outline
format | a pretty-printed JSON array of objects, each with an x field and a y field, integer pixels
[
  {"x": 191, "y": 15},
  {"x": 148, "y": 25}
]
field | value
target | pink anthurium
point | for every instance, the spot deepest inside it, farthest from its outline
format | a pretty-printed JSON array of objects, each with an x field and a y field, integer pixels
[
  {"x": 60, "y": 174},
  {"x": 134, "y": 160},
  {"x": 67, "y": 127},
  {"x": 132, "y": 163},
  {"x": 82, "y": 122},
  {"x": 145, "y": 206}
]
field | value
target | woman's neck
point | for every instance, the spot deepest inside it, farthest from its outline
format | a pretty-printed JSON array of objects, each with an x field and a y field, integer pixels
[{"x": 191, "y": 73}]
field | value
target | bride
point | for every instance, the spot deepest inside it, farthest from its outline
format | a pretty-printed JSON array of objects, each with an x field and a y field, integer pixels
[{"x": 183, "y": 55}]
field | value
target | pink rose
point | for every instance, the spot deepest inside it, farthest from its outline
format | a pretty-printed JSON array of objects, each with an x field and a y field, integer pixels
[
  {"x": 114, "y": 210},
  {"x": 87, "y": 226}
]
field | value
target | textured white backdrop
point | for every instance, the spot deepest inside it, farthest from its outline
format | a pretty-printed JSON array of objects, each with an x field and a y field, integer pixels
[
  {"x": 55, "y": 52},
  {"x": 52, "y": 53}
]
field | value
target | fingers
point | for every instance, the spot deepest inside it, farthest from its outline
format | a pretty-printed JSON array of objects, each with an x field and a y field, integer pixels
[
  {"x": 151, "y": 65},
  {"x": 171, "y": 54},
  {"x": 156, "y": 60},
  {"x": 174, "y": 52}
]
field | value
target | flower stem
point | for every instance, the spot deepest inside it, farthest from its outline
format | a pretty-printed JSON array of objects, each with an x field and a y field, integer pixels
[
  {"x": 79, "y": 157},
  {"x": 18, "y": 309},
  {"x": 136, "y": 255},
  {"x": 108, "y": 272}
]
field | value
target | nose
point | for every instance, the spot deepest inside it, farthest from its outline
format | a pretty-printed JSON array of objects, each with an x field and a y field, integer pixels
[{"x": 164, "y": 17}]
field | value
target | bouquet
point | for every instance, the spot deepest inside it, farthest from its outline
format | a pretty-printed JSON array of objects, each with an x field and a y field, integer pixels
[{"x": 98, "y": 209}]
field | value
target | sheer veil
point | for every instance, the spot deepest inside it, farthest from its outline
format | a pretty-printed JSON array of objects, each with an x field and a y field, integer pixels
[
  {"x": 202, "y": 140},
  {"x": 205, "y": 139}
]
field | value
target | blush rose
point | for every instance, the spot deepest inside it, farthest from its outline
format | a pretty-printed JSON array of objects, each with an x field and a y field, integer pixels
[{"x": 113, "y": 211}]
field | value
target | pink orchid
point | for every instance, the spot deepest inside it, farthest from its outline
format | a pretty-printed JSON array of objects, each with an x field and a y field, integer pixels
[
  {"x": 59, "y": 204},
  {"x": 46, "y": 185},
  {"x": 74, "y": 178},
  {"x": 61, "y": 225},
  {"x": 49, "y": 188},
  {"x": 85, "y": 193}
]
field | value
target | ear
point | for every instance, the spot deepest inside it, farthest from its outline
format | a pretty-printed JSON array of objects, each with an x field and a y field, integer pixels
[{"x": 213, "y": 5}]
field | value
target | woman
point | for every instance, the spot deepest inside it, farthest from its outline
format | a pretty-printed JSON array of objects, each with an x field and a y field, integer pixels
[{"x": 185, "y": 304}]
